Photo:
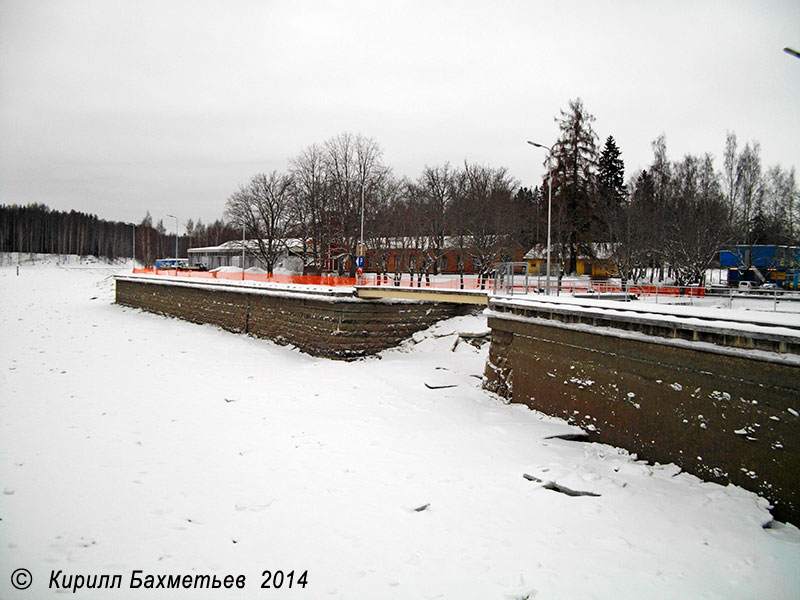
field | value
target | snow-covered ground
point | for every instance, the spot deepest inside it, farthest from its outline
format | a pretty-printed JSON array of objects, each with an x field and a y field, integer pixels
[{"x": 130, "y": 441}]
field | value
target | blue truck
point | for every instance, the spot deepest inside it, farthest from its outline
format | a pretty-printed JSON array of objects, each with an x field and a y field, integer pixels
[{"x": 759, "y": 265}]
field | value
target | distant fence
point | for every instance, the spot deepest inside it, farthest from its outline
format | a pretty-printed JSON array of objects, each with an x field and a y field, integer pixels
[
  {"x": 568, "y": 286},
  {"x": 325, "y": 280},
  {"x": 469, "y": 282},
  {"x": 649, "y": 290},
  {"x": 453, "y": 282},
  {"x": 572, "y": 286}
]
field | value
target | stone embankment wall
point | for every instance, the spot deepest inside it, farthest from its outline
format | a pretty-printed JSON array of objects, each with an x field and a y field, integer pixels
[
  {"x": 322, "y": 323},
  {"x": 719, "y": 400}
]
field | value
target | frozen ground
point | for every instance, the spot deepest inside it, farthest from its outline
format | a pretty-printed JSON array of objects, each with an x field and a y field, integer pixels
[{"x": 133, "y": 441}]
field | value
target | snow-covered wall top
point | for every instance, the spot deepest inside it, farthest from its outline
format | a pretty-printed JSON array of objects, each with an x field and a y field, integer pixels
[
  {"x": 317, "y": 292},
  {"x": 321, "y": 322},
  {"x": 761, "y": 335},
  {"x": 665, "y": 383}
]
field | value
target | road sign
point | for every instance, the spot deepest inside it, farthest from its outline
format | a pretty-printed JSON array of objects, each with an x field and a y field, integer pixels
[{"x": 360, "y": 262}]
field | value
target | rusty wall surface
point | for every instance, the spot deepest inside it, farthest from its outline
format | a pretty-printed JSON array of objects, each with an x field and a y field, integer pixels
[
  {"x": 343, "y": 328},
  {"x": 724, "y": 418}
]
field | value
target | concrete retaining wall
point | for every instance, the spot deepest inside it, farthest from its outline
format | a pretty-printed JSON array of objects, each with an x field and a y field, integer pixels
[
  {"x": 727, "y": 412},
  {"x": 326, "y": 323}
]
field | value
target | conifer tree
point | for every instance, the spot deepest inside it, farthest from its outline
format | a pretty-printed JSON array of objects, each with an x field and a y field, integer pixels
[
  {"x": 611, "y": 175},
  {"x": 574, "y": 170}
]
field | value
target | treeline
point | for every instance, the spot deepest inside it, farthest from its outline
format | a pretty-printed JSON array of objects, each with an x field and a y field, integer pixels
[
  {"x": 37, "y": 229},
  {"x": 153, "y": 241},
  {"x": 672, "y": 217},
  {"x": 676, "y": 215},
  {"x": 473, "y": 209}
]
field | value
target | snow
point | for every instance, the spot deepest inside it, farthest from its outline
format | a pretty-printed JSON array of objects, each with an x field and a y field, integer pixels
[
  {"x": 769, "y": 325},
  {"x": 126, "y": 443},
  {"x": 780, "y": 323},
  {"x": 762, "y": 355},
  {"x": 283, "y": 290}
]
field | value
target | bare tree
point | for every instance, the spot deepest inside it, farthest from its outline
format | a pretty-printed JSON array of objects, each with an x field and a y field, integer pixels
[
  {"x": 749, "y": 184},
  {"x": 729, "y": 171},
  {"x": 485, "y": 205},
  {"x": 697, "y": 224},
  {"x": 262, "y": 207},
  {"x": 354, "y": 174},
  {"x": 775, "y": 223},
  {"x": 436, "y": 190},
  {"x": 399, "y": 238},
  {"x": 634, "y": 245},
  {"x": 310, "y": 204},
  {"x": 389, "y": 222}
]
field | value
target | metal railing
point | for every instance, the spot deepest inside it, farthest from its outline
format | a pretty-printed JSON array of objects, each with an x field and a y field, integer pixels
[{"x": 509, "y": 279}]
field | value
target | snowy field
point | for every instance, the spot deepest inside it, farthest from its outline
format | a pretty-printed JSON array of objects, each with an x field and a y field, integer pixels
[{"x": 130, "y": 441}]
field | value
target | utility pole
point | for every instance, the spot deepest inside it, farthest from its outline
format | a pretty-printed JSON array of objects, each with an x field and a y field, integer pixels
[
  {"x": 176, "y": 241},
  {"x": 549, "y": 210}
]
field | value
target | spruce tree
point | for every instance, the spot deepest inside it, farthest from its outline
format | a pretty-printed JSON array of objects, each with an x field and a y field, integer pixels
[
  {"x": 575, "y": 158},
  {"x": 611, "y": 175},
  {"x": 611, "y": 194}
]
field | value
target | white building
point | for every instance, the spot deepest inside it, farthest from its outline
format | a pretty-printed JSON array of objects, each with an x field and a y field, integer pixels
[{"x": 231, "y": 254}]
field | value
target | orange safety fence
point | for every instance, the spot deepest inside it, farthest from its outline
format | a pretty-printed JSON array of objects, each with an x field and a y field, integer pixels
[
  {"x": 450, "y": 282},
  {"x": 441, "y": 282},
  {"x": 651, "y": 290},
  {"x": 453, "y": 282},
  {"x": 325, "y": 280}
]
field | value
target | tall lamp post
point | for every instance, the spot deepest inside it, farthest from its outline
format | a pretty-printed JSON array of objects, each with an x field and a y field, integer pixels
[
  {"x": 176, "y": 240},
  {"x": 549, "y": 209},
  {"x": 361, "y": 251}
]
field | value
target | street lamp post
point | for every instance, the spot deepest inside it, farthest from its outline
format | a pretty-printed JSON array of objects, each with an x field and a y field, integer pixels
[
  {"x": 176, "y": 240},
  {"x": 361, "y": 251},
  {"x": 549, "y": 209},
  {"x": 362, "y": 221}
]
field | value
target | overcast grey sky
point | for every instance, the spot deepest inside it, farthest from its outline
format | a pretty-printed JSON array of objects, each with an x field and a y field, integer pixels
[{"x": 119, "y": 107}]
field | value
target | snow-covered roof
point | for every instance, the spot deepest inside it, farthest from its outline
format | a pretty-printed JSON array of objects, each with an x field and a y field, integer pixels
[
  {"x": 600, "y": 251},
  {"x": 451, "y": 242},
  {"x": 233, "y": 246}
]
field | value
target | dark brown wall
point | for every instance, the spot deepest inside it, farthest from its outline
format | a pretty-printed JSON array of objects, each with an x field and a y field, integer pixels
[
  {"x": 665, "y": 403},
  {"x": 335, "y": 328}
]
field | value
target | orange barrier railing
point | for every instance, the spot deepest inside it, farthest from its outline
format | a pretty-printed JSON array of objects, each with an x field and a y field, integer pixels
[
  {"x": 324, "y": 280},
  {"x": 651, "y": 290},
  {"x": 451, "y": 282},
  {"x": 445, "y": 282},
  {"x": 441, "y": 282}
]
